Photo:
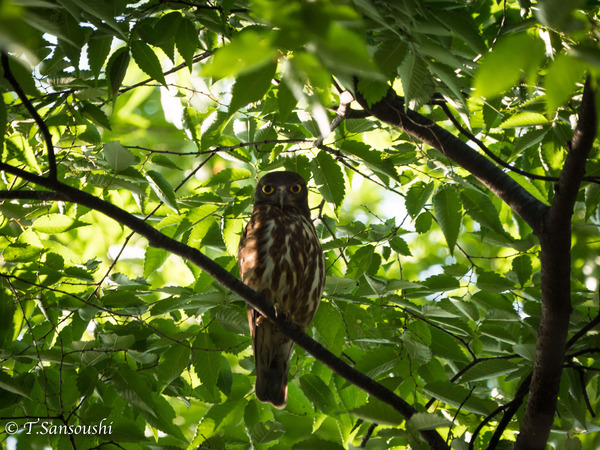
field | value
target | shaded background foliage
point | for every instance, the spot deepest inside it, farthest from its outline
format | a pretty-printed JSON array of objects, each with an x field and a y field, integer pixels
[{"x": 171, "y": 110}]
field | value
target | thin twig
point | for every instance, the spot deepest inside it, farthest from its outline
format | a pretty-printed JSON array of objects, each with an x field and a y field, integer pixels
[{"x": 33, "y": 112}]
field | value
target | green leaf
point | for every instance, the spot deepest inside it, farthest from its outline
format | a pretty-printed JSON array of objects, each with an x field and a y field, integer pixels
[
  {"x": 459, "y": 397},
  {"x": 147, "y": 60},
  {"x": 247, "y": 52},
  {"x": 447, "y": 210},
  {"x": 318, "y": 392},
  {"x": 133, "y": 389},
  {"x": 492, "y": 281},
  {"x": 521, "y": 266},
  {"x": 56, "y": 223},
  {"x": 186, "y": 40},
  {"x": 173, "y": 362},
  {"x": 560, "y": 80},
  {"x": 227, "y": 176},
  {"x": 415, "y": 81},
  {"x": 481, "y": 209},
  {"x": 416, "y": 197},
  {"x": 96, "y": 114},
  {"x": 389, "y": 55},
  {"x": 265, "y": 432},
  {"x": 207, "y": 364},
  {"x": 162, "y": 188},
  {"x": 524, "y": 119},
  {"x": 400, "y": 246},
  {"x": 378, "y": 412},
  {"x": 251, "y": 86},
  {"x": 512, "y": 57},
  {"x": 3, "y": 123},
  {"x": 117, "y": 156},
  {"x": 462, "y": 25},
  {"x": 116, "y": 69},
  {"x": 98, "y": 50},
  {"x": 425, "y": 421},
  {"x": 329, "y": 178},
  {"x": 154, "y": 259},
  {"x": 232, "y": 231},
  {"x": 487, "y": 369}
]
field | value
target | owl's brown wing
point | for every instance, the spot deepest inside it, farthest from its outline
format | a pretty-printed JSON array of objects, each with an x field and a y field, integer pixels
[{"x": 279, "y": 256}]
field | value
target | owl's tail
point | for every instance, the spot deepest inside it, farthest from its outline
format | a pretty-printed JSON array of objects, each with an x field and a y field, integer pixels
[{"x": 272, "y": 351}]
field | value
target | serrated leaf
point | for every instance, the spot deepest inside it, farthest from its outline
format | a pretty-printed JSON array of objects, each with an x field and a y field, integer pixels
[
  {"x": 229, "y": 175},
  {"x": 96, "y": 114},
  {"x": 207, "y": 363},
  {"x": 56, "y": 223},
  {"x": 117, "y": 156},
  {"x": 133, "y": 389},
  {"x": 487, "y": 369},
  {"x": 247, "y": 52},
  {"x": 521, "y": 266},
  {"x": 524, "y": 119},
  {"x": 116, "y": 68},
  {"x": 560, "y": 80},
  {"x": 400, "y": 246},
  {"x": 265, "y": 432},
  {"x": 592, "y": 199},
  {"x": 378, "y": 412},
  {"x": 329, "y": 178},
  {"x": 162, "y": 188},
  {"x": 492, "y": 282},
  {"x": 389, "y": 55},
  {"x": 459, "y": 396},
  {"x": 418, "y": 194},
  {"x": 512, "y": 56},
  {"x": 3, "y": 122},
  {"x": 481, "y": 209},
  {"x": 251, "y": 87},
  {"x": 187, "y": 41},
  {"x": 447, "y": 210},
  {"x": 416, "y": 81},
  {"x": 318, "y": 392},
  {"x": 147, "y": 60},
  {"x": 154, "y": 259},
  {"x": 173, "y": 362},
  {"x": 98, "y": 50},
  {"x": 232, "y": 230},
  {"x": 425, "y": 421}
]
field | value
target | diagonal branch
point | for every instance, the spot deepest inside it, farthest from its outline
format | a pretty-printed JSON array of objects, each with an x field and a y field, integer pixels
[
  {"x": 391, "y": 110},
  {"x": 157, "y": 239},
  {"x": 555, "y": 258},
  {"x": 33, "y": 112}
]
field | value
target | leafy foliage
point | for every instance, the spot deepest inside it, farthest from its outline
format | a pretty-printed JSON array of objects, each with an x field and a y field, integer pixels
[{"x": 172, "y": 110}]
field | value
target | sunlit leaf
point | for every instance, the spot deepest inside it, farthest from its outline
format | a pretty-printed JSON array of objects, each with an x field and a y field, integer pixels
[
  {"x": 162, "y": 188},
  {"x": 447, "y": 210}
]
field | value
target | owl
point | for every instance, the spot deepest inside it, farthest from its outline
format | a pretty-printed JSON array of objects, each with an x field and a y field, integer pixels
[{"x": 280, "y": 256}]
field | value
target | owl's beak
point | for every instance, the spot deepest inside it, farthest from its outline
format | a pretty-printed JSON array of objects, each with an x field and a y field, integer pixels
[{"x": 281, "y": 196}]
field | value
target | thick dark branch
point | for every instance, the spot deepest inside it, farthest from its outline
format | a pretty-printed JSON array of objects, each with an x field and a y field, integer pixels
[
  {"x": 223, "y": 277},
  {"x": 38, "y": 120},
  {"x": 555, "y": 258},
  {"x": 44, "y": 196},
  {"x": 391, "y": 110}
]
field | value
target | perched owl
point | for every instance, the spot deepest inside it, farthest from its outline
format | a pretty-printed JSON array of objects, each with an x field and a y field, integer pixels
[{"x": 280, "y": 256}]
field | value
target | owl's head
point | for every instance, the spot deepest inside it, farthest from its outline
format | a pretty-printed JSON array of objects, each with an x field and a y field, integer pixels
[{"x": 286, "y": 190}]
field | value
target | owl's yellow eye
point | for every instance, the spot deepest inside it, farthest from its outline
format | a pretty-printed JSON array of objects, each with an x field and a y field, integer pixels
[
  {"x": 268, "y": 189},
  {"x": 295, "y": 189}
]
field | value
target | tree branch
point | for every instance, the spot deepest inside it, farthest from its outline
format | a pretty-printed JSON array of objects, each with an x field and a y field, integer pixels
[
  {"x": 555, "y": 258},
  {"x": 391, "y": 110},
  {"x": 33, "y": 112},
  {"x": 223, "y": 277}
]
